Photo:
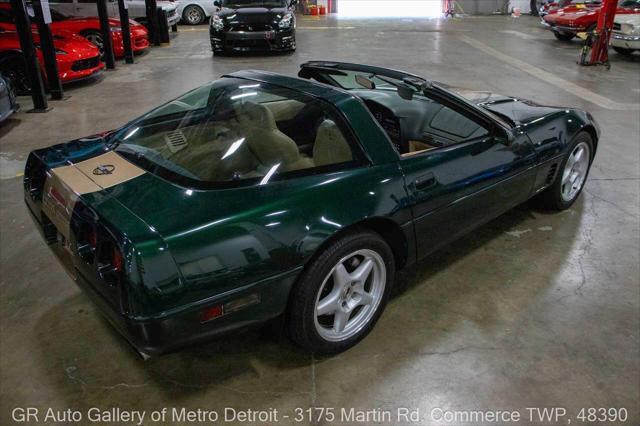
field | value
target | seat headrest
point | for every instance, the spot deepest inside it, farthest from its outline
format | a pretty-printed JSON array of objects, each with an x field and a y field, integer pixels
[
  {"x": 256, "y": 115},
  {"x": 330, "y": 145}
]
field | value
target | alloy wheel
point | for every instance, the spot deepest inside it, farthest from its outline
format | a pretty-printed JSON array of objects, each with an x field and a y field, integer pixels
[
  {"x": 15, "y": 71},
  {"x": 193, "y": 16},
  {"x": 96, "y": 40},
  {"x": 575, "y": 171},
  {"x": 350, "y": 295}
]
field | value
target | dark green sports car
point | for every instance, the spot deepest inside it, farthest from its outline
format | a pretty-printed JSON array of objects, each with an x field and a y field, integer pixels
[{"x": 259, "y": 195}]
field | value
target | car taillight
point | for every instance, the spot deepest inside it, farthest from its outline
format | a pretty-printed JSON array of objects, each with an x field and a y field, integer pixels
[
  {"x": 116, "y": 259},
  {"x": 92, "y": 237}
]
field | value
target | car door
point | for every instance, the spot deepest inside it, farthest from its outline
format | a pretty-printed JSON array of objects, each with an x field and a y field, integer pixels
[
  {"x": 462, "y": 165},
  {"x": 471, "y": 171}
]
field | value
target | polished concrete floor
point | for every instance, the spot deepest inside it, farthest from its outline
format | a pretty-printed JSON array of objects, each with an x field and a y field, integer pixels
[{"x": 531, "y": 310}]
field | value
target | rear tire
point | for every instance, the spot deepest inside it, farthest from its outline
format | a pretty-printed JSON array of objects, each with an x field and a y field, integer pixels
[
  {"x": 564, "y": 36},
  {"x": 341, "y": 294},
  {"x": 14, "y": 68},
  {"x": 623, "y": 51},
  {"x": 572, "y": 175},
  {"x": 193, "y": 15}
]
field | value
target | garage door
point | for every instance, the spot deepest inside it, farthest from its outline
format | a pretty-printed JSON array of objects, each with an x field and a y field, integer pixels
[{"x": 386, "y": 8}]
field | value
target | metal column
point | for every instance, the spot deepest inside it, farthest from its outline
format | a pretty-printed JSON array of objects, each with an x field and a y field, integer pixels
[{"x": 23, "y": 25}]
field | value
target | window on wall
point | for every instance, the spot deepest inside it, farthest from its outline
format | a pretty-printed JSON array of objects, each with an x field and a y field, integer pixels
[{"x": 389, "y": 9}]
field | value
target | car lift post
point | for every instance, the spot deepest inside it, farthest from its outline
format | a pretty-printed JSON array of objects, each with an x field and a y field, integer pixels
[
  {"x": 152, "y": 21},
  {"x": 598, "y": 42},
  {"x": 23, "y": 25},
  {"x": 123, "y": 7},
  {"x": 48, "y": 50},
  {"x": 105, "y": 30}
]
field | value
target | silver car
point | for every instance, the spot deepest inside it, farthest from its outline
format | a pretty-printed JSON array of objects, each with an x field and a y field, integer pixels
[
  {"x": 8, "y": 104},
  {"x": 194, "y": 12},
  {"x": 137, "y": 9}
]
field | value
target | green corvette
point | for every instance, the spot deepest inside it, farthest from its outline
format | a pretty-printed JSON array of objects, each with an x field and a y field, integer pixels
[{"x": 260, "y": 195}]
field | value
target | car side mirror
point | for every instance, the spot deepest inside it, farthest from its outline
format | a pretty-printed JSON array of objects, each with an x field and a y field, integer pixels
[
  {"x": 217, "y": 3},
  {"x": 508, "y": 137}
]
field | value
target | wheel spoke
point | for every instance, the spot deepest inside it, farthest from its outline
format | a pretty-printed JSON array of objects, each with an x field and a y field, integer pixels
[
  {"x": 340, "y": 320},
  {"x": 365, "y": 299},
  {"x": 574, "y": 177},
  {"x": 565, "y": 174},
  {"x": 340, "y": 277},
  {"x": 329, "y": 304},
  {"x": 362, "y": 272},
  {"x": 578, "y": 155}
]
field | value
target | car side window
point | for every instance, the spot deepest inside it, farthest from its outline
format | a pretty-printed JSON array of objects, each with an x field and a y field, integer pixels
[{"x": 441, "y": 127}]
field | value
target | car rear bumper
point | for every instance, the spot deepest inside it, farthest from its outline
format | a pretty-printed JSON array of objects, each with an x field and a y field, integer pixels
[
  {"x": 182, "y": 326},
  {"x": 245, "y": 41},
  {"x": 625, "y": 41}
]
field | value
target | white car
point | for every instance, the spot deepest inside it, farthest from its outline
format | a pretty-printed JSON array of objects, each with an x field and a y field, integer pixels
[
  {"x": 625, "y": 38},
  {"x": 194, "y": 12},
  {"x": 137, "y": 9}
]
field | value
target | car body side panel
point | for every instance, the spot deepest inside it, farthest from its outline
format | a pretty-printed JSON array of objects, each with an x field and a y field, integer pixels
[{"x": 225, "y": 239}]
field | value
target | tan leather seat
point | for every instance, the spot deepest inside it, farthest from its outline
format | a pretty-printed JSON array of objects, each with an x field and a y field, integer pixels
[
  {"x": 268, "y": 144},
  {"x": 330, "y": 146}
]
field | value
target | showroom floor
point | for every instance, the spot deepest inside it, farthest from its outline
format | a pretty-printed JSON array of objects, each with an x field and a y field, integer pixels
[{"x": 533, "y": 310}]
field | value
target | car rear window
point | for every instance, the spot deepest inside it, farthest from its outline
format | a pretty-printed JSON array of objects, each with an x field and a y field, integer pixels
[{"x": 237, "y": 131}]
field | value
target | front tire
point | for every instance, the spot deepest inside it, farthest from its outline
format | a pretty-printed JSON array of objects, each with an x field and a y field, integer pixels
[
  {"x": 341, "y": 294},
  {"x": 623, "y": 51},
  {"x": 564, "y": 36},
  {"x": 193, "y": 15},
  {"x": 572, "y": 175},
  {"x": 14, "y": 68}
]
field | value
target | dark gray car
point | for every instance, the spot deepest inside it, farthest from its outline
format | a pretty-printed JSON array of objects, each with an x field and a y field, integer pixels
[{"x": 8, "y": 104}]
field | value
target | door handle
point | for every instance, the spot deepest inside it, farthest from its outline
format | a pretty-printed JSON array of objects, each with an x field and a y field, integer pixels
[{"x": 425, "y": 182}]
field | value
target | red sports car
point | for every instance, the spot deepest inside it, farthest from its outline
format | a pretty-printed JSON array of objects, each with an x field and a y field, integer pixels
[
  {"x": 77, "y": 58},
  {"x": 547, "y": 7},
  {"x": 566, "y": 22},
  {"x": 89, "y": 28}
]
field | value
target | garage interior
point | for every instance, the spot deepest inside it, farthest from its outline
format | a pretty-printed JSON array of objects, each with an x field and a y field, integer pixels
[{"x": 532, "y": 310}]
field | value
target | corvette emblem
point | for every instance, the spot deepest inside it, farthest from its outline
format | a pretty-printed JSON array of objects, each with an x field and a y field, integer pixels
[{"x": 104, "y": 169}]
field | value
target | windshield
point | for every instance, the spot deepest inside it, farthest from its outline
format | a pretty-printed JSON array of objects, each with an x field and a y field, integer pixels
[
  {"x": 235, "y": 130},
  {"x": 238, "y": 4}
]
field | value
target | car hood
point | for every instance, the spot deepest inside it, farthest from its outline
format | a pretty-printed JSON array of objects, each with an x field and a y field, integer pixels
[
  {"x": 521, "y": 111},
  {"x": 75, "y": 44},
  {"x": 630, "y": 18},
  {"x": 252, "y": 14}
]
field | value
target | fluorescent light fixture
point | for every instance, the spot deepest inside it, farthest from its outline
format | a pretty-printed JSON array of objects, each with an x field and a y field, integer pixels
[
  {"x": 131, "y": 133},
  {"x": 244, "y": 95},
  {"x": 270, "y": 173},
  {"x": 233, "y": 148},
  {"x": 249, "y": 86}
]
